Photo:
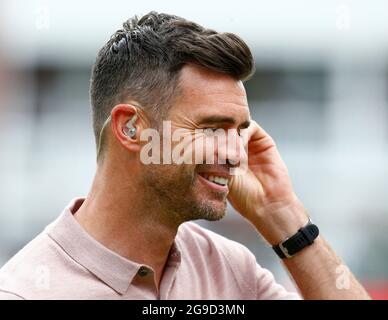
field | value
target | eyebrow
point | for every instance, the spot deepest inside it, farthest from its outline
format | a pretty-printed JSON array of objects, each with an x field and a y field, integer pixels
[{"x": 223, "y": 119}]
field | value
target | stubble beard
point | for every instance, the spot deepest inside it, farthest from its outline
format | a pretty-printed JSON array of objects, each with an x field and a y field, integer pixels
[{"x": 178, "y": 199}]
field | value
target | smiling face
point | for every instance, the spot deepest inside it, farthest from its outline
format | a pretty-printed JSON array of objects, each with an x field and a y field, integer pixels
[{"x": 208, "y": 100}]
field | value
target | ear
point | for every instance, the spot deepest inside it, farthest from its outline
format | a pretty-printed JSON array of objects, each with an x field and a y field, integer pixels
[{"x": 121, "y": 114}]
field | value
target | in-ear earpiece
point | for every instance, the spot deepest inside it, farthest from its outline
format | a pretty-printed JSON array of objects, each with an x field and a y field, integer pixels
[
  {"x": 129, "y": 129},
  {"x": 132, "y": 132}
]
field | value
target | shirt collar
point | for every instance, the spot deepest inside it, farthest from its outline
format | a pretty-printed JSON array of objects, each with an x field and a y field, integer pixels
[{"x": 114, "y": 270}]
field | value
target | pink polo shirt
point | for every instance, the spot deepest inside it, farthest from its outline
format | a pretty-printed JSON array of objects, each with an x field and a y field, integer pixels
[{"x": 65, "y": 262}]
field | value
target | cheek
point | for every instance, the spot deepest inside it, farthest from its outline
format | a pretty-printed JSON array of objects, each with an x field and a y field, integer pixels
[
  {"x": 177, "y": 174},
  {"x": 203, "y": 148}
]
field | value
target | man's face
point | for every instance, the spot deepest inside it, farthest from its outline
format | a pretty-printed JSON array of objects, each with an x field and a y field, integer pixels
[{"x": 199, "y": 190}]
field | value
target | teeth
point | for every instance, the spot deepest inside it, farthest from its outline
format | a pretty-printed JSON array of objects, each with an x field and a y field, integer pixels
[
  {"x": 219, "y": 180},
  {"x": 216, "y": 179}
]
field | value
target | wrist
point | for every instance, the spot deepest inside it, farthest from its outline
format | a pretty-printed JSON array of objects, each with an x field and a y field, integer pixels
[
  {"x": 280, "y": 220},
  {"x": 305, "y": 237}
]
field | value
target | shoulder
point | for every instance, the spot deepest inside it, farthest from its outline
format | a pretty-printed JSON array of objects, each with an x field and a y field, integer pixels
[
  {"x": 24, "y": 268},
  {"x": 32, "y": 268}
]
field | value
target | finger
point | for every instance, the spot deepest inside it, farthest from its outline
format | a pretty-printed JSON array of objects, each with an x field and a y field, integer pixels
[{"x": 256, "y": 132}]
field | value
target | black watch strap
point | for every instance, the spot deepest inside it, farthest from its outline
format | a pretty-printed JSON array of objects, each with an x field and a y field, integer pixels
[{"x": 303, "y": 238}]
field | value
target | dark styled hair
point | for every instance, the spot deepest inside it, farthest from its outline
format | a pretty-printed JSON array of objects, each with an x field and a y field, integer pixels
[{"x": 142, "y": 61}]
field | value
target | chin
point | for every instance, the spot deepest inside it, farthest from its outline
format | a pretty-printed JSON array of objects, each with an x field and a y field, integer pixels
[
  {"x": 216, "y": 217},
  {"x": 212, "y": 210}
]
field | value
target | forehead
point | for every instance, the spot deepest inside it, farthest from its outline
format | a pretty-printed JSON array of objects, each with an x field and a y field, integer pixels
[{"x": 207, "y": 92}]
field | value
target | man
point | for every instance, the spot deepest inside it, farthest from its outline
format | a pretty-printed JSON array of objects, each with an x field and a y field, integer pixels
[{"x": 132, "y": 237}]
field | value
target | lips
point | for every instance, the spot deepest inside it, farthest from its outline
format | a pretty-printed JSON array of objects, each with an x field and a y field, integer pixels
[
  {"x": 220, "y": 180},
  {"x": 217, "y": 181}
]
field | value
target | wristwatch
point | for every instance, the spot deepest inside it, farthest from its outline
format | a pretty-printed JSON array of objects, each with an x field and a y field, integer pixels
[{"x": 303, "y": 238}]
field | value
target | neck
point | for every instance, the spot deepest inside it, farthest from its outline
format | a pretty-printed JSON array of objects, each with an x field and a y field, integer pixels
[{"x": 121, "y": 219}]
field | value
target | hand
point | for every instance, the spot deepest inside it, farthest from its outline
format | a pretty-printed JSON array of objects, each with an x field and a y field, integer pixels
[
  {"x": 264, "y": 193},
  {"x": 265, "y": 196}
]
